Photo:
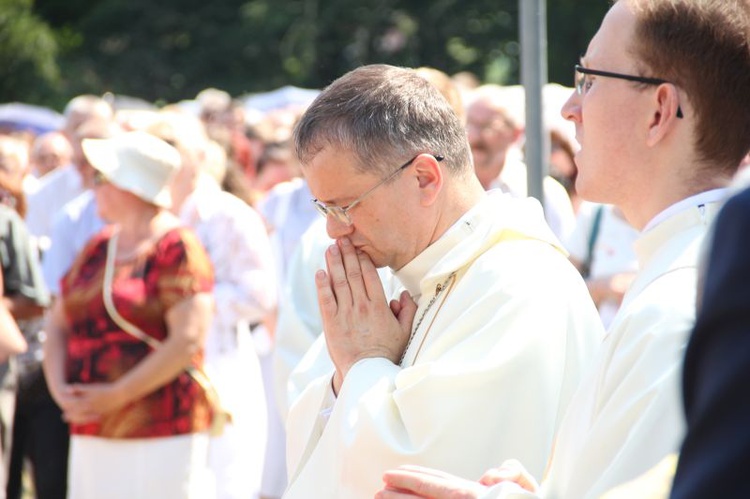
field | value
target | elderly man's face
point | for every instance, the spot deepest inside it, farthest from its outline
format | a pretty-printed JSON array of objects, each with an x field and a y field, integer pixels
[
  {"x": 51, "y": 152},
  {"x": 490, "y": 135},
  {"x": 385, "y": 223},
  {"x": 610, "y": 115}
]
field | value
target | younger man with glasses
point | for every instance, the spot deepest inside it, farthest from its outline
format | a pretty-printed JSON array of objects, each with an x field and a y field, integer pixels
[
  {"x": 662, "y": 112},
  {"x": 494, "y": 331}
]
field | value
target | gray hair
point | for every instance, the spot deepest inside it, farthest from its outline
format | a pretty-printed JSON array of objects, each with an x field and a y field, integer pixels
[
  {"x": 83, "y": 107},
  {"x": 385, "y": 116}
]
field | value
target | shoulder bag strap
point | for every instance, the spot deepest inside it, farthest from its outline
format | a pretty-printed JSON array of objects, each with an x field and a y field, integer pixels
[
  {"x": 220, "y": 416},
  {"x": 593, "y": 236}
]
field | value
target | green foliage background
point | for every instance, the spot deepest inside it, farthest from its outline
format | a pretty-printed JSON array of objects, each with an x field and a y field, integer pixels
[{"x": 168, "y": 50}]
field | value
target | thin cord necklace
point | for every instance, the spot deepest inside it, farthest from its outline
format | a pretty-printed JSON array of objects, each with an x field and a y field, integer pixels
[{"x": 438, "y": 291}]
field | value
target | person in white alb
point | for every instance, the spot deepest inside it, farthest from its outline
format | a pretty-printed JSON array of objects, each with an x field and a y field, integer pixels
[
  {"x": 299, "y": 322},
  {"x": 488, "y": 341},
  {"x": 648, "y": 122}
]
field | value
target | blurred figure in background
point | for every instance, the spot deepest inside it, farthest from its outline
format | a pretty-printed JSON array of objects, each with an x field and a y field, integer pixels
[
  {"x": 465, "y": 82},
  {"x": 65, "y": 183},
  {"x": 602, "y": 247},
  {"x": 562, "y": 166},
  {"x": 78, "y": 219},
  {"x": 235, "y": 239},
  {"x": 496, "y": 132},
  {"x": 288, "y": 212},
  {"x": 276, "y": 165},
  {"x": 50, "y": 151},
  {"x": 11, "y": 343},
  {"x": 14, "y": 167},
  {"x": 224, "y": 119},
  {"x": 447, "y": 88},
  {"x": 83, "y": 108},
  {"x": 39, "y": 434},
  {"x": 23, "y": 300}
]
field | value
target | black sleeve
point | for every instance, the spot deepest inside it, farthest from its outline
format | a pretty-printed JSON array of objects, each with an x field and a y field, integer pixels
[{"x": 715, "y": 456}]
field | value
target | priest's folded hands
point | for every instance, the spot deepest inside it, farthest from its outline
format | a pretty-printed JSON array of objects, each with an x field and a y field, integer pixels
[{"x": 358, "y": 321}]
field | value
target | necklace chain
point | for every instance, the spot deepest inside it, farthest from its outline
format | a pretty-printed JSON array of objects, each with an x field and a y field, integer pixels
[{"x": 438, "y": 291}]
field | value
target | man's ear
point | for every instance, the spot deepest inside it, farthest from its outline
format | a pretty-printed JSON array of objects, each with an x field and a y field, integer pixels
[
  {"x": 518, "y": 134},
  {"x": 664, "y": 117},
  {"x": 430, "y": 177}
]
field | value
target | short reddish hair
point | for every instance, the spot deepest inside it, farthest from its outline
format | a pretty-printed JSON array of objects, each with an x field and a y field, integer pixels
[{"x": 703, "y": 47}]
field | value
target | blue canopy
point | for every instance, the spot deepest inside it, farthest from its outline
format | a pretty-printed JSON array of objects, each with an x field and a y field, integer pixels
[{"x": 26, "y": 117}]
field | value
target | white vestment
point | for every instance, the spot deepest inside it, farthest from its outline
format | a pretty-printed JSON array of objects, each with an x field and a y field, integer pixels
[
  {"x": 487, "y": 376},
  {"x": 627, "y": 414}
]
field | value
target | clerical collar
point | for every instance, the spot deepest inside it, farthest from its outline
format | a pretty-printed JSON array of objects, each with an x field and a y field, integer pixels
[
  {"x": 699, "y": 199},
  {"x": 412, "y": 273}
]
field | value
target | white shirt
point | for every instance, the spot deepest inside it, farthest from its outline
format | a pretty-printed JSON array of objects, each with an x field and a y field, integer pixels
[
  {"x": 51, "y": 193},
  {"x": 78, "y": 222},
  {"x": 487, "y": 375}
]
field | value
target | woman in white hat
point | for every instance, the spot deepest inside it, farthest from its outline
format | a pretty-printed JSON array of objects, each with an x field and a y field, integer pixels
[{"x": 125, "y": 340}]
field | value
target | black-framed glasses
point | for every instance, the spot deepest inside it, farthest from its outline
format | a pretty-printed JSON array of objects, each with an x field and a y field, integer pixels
[
  {"x": 581, "y": 80},
  {"x": 100, "y": 178},
  {"x": 341, "y": 213}
]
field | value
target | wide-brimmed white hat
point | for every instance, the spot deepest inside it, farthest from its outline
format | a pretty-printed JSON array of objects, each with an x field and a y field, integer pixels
[{"x": 136, "y": 162}]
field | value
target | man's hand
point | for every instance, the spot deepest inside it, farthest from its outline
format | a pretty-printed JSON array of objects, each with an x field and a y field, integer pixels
[
  {"x": 357, "y": 320},
  {"x": 510, "y": 471},
  {"x": 416, "y": 481},
  {"x": 610, "y": 287}
]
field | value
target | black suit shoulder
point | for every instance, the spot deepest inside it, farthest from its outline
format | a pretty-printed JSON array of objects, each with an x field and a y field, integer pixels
[{"x": 715, "y": 457}]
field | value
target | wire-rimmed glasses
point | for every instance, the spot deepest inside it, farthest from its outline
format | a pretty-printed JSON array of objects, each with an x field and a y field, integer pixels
[{"x": 341, "y": 213}]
